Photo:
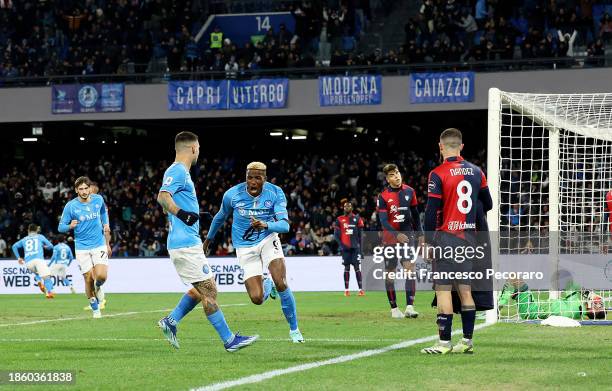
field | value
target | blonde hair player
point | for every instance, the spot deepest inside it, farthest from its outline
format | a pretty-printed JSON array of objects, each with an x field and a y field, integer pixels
[{"x": 259, "y": 211}]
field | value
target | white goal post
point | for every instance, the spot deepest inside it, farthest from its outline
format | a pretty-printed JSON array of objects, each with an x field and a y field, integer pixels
[{"x": 549, "y": 168}]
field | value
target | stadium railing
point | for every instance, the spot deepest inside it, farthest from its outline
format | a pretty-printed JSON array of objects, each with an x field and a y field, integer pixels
[{"x": 314, "y": 72}]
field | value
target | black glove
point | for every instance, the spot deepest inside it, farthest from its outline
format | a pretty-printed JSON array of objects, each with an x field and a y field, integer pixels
[{"x": 189, "y": 218}]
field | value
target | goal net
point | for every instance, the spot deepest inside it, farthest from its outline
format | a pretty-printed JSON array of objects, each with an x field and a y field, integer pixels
[{"x": 550, "y": 172}]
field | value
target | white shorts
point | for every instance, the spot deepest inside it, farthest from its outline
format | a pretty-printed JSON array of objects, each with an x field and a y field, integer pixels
[
  {"x": 87, "y": 259},
  {"x": 254, "y": 259},
  {"x": 39, "y": 267},
  {"x": 191, "y": 264},
  {"x": 58, "y": 270}
]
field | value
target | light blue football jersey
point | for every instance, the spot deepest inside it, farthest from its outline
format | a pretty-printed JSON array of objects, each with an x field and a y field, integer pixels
[
  {"x": 270, "y": 205},
  {"x": 62, "y": 255},
  {"x": 92, "y": 215},
  {"x": 33, "y": 246},
  {"x": 177, "y": 182}
]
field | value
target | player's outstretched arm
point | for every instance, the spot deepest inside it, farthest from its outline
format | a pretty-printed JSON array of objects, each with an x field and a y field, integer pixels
[
  {"x": 46, "y": 243},
  {"x": 15, "y": 247},
  {"x": 484, "y": 195},
  {"x": 167, "y": 203},
  {"x": 281, "y": 217},
  {"x": 65, "y": 224},
  {"x": 54, "y": 256},
  {"x": 218, "y": 220},
  {"x": 336, "y": 227}
]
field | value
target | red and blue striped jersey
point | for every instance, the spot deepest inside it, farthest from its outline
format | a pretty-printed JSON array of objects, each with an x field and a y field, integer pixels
[
  {"x": 397, "y": 204},
  {"x": 349, "y": 227},
  {"x": 457, "y": 183}
]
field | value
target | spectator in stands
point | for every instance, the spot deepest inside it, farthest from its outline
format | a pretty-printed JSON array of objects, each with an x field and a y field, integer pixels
[
  {"x": 78, "y": 38},
  {"x": 514, "y": 216},
  {"x": 216, "y": 40},
  {"x": 3, "y": 248},
  {"x": 48, "y": 191}
]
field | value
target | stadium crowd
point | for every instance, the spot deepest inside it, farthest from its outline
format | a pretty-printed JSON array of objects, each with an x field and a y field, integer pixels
[
  {"x": 315, "y": 187},
  {"x": 39, "y": 38}
]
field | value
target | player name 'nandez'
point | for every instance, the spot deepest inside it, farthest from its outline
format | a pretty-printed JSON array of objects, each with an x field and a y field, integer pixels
[{"x": 461, "y": 171}]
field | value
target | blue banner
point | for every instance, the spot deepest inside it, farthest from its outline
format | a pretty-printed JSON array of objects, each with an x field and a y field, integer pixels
[
  {"x": 442, "y": 87},
  {"x": 87, "y": 98},
  {"x": 350, "y": 90},
  {"x": 239, "y": 28},
  {"x": 228, "y": 94},
  {"x": 258, "y": 94},
  {"x": 197, "y": 95}
]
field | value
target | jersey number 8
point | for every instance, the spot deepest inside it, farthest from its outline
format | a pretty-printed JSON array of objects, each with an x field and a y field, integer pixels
[{"x": 464, "y": 192}]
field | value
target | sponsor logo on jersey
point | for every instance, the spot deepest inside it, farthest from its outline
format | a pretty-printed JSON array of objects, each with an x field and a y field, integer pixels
[
  {"x": 460, "y": 225},
  {"x": 399, "y": 218}
]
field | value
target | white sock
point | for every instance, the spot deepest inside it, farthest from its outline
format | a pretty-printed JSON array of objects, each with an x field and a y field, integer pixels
[{"x": 100, "y": 294}]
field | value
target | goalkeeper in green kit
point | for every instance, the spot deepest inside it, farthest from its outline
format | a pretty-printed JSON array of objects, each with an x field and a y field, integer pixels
[{"x": 573, "y": 304}]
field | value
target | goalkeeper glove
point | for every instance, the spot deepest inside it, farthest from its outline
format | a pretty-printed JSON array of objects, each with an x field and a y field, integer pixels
[{"x": 189, "y": 218}]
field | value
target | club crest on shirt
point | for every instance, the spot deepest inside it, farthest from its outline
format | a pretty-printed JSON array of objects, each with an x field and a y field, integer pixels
[{"x": 268, "y": 204}]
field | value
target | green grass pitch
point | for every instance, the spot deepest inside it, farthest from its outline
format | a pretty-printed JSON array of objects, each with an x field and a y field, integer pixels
[{"x": 128, "y": 351}]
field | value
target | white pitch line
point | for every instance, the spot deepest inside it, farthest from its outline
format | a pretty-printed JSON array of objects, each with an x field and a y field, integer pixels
[
  {"x": 316, "y": 364},
  {"x": 187, "y": 341},
  {"x": 104, "y": 316}
]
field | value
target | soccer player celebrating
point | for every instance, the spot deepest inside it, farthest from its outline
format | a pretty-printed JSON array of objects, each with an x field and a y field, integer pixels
[
  {"x": 87, "y": 216},
  {"x": 177, "y": 196},
  {"x": 33, "y": 256},
  {"x": 259, "y": 211},
  {"x": 399, "y": 218},
  {"x": 60, "y": 261},
  {"x": 347, "y": 231},
  {"x": 455, "y": 187}
]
